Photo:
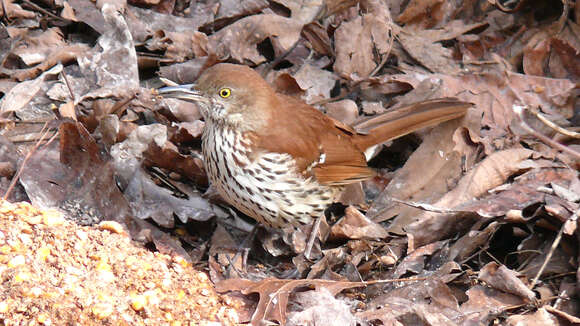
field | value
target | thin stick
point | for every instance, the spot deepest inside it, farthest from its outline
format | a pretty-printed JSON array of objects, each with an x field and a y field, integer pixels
[
  {"x": 17, "y": 176},
  {"x": 553, "y": 125},
  {"x": 66, "y": 82},
  {"x": 519, "y": 111},
  {"x": 555, "y": 244},
  {"x": 312, "y": 237},
  {"x": 428, "y": 207}
]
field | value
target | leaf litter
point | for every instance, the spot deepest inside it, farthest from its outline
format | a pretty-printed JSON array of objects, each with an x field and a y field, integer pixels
[{"x": 474, "y": 221}]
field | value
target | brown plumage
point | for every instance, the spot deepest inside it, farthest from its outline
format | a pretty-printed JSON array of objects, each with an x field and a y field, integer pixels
[{"x": 278, "y": 159}]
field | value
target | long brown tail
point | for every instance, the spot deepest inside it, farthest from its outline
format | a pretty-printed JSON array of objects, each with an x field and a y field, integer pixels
[{"x": 407, "y": 119}]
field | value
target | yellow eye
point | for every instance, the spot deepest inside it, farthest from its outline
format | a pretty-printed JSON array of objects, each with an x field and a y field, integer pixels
[{"x": 225, "y": 92}]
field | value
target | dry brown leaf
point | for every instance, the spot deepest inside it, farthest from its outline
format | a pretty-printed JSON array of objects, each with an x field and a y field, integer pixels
[
  {"x": 430, "y": 300},
  {"x": 316, "y": 83},
  {"x": 465, "y": 246},
  {"x": 485, "y": 303},
  {"x": 372, "y": 108},
  {"x": 504, "y": 279},
  {"x": 426, "y": 176},
  {"x": 488, "y": 174},
  {"x": 112, "y": 64},
  {"x": 451, "y": 30},
  {"x": 238, "y": 40},
  {"x": 144, "y": 22},
  {"x": 536, "y": 55},
  {"x": 415, "y": 261},
  {"x": 524, "y": 192},
  {"x": 187, "y": 72},
  {"x": 274, "y": 293},
  {"x": 147, "y": 199},
  {"x": 550, "y": 54},
  {"x": 284, "y": 83},
  {"x": 345, "y": 111},
  {"x": 221, "y": 12},
  {"x": 357, "y": 41},
  {"x": 331, "y": 258},
  {"x": 304, "y": 11},
  {"x": 37, "y": 46},
  {"x": 354, "y": 225},
  {"x": 494, "y": 95},
  {"x": 68, "y": 12},
  {"x": 14, "y": 11},
  {"x": 321, "y": 308},
  {"x": 539, "y": 318},
  {"x": 21, "y": 94},
  {"x": 168, "y": 157},
  {"x": 534, "y": 250},
  {"x": 179, "y": 46},
  {"x": 432, "y": 56},
  {"x": 75, "y": 179},
  {"x": 565, "y": 63},
  {"x": 562, "y": 314},
  {"x": 61, "y": 55},
  {"x": 67, "y": 110},
  {"x": 87, "y": 12},
  {"x": 318, "y": 38},
  {"x": 422, "y": 13}
]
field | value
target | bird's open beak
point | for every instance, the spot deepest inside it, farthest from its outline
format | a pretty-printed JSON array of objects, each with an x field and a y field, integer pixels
[{"x": 183, "y": 92}]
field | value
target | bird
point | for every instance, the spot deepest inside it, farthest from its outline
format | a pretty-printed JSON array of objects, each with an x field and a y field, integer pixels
[{"x": 279, "y": 160}]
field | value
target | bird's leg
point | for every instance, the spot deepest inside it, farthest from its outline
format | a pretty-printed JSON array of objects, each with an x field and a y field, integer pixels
[{"x": 242, "y": 247}]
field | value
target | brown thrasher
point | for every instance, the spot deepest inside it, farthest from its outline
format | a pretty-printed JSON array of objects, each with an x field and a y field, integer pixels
[{"x": 278, "y": 159}]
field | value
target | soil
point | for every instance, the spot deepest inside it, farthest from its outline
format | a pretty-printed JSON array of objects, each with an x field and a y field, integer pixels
[{"x": 55, "y": 272}]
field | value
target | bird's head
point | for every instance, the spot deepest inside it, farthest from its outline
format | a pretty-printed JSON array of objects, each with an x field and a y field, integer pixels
[{"x": 229, "y": 94}]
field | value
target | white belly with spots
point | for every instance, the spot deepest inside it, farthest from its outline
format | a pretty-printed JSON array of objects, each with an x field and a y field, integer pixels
[{"x": 264, "y": 188}]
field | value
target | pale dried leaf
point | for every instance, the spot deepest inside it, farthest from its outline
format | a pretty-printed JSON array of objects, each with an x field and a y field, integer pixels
[
  {"x": 238, "y": 40},
  {"x": 504, "y": 279},
  {"x": 274, "y": 293},
  {"x": 354, "y": 225},
  {"x": 490, "y": 173},
  {"x": 21, "y": 94}
]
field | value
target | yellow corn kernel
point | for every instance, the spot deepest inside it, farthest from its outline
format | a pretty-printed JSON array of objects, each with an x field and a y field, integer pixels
[
  {"x": 138, "y": 302},
  {"x": 102, "y": 310},
  {"x": 43, "y": 319},
  {"x": 5, "y": 249},
  {"x": 21, "y": 277},
  {"x": 4, "y": 307},
  {"x": 52, "y": 217},
  {"x": 103, "y": 267},
  {"x": 43, "y": 253},
  {"x": 16, "y": 261}
]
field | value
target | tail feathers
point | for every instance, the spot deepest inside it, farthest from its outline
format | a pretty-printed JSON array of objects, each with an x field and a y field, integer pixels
[{"x": 407, "y": 119}]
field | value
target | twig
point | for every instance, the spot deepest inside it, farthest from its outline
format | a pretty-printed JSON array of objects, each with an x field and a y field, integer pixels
[
  {"x": 555, "y": 244},
  {"x": 519, "y": 112},
  {"x": 559, "y": 300},
  {"x": 28, "y": 138},
  {"x": 46, "y": 12},
  {"x": 121, "y": 106},
  {"x": 72, "y": 96},
  {"x": 312, "y": 237},
  {"x": 428, "y": 207},
  {"x": 553, "y": 125},
  {"x": 16, "y": 177}
]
